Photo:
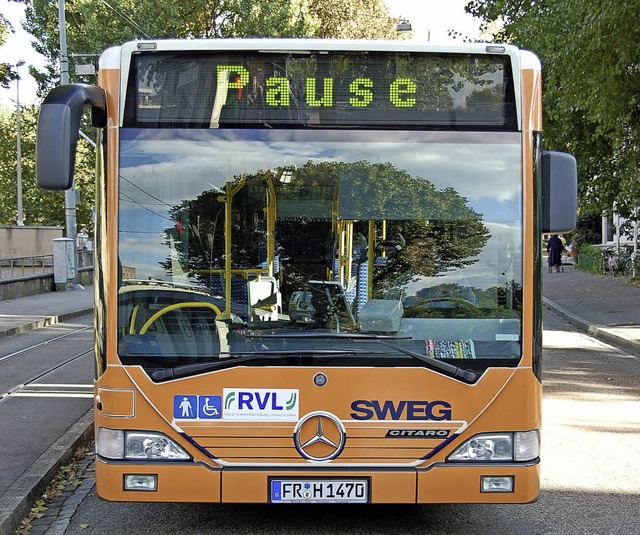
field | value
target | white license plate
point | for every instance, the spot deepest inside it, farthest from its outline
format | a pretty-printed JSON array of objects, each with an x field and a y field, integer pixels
[{"x": 319, "y": 490}]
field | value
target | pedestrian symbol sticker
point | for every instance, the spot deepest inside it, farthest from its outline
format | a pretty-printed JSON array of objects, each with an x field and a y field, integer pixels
[{"x": 186, "y": 407}]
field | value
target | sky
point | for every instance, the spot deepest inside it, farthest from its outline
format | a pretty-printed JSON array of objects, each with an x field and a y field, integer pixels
[
  {"x": 430, "y": 19},
  {"x": 18, "y": 47}
]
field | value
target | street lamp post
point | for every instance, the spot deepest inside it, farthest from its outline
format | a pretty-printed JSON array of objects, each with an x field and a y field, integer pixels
[{"x": 20, "y": 221}]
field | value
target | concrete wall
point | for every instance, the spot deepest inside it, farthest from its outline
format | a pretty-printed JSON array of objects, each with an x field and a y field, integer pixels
[
  {"x": 37, "y": 284},
  {"x": 16, "y": 242}
]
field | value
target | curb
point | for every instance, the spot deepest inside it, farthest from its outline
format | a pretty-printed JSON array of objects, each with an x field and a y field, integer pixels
[
  {"x": 44, "y": 322},
  {"x": 578, "y": 321},
  {"x": 601, "y": 332},
  {"x": 605, "y": 333},
  {"x": 16, "y": 503}
]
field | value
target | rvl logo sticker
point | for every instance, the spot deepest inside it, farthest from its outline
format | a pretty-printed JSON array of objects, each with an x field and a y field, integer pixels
[{"x": 261, "y": 404}]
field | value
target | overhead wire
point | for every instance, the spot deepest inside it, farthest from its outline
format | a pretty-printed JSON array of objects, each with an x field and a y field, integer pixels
[
  {"x": 146, "y": 192},
  {"x": 120, "y": 12},
  {"x": 138, "y": 203}
]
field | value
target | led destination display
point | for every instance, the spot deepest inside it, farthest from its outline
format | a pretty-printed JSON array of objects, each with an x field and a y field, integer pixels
[{"x": 319, "y": 89}]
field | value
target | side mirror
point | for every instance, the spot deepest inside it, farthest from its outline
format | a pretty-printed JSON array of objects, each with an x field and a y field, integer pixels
[
  {"x": 559, "y": 192},
  {"x": 58, "y": 126}
]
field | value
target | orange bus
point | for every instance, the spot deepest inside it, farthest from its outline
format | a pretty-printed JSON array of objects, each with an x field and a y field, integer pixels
[{"x": 318, "y": 268}]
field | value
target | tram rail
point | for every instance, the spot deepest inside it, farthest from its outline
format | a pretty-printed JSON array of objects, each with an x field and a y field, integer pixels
[
  {"x": 42, "y": 375},
  {"x": 41, "y": 344}
]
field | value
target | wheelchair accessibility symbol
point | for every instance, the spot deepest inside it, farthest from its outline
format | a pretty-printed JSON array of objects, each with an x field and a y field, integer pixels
[{"x": 210, "y": 407}]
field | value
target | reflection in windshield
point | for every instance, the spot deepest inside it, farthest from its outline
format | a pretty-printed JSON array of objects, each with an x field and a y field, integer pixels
[{"x": 229, "y": 233}]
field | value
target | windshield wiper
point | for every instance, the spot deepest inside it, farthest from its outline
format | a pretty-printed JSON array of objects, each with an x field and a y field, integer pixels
[
  {"x": 451, "y": 370},
  {"x": 239, "y": 357}
]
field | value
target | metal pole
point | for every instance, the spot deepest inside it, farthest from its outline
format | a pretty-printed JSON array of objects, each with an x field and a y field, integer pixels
[
  {"x": 19, "y": 221},
  {"x": 69, "y": 195},
  {"x": 634, "y": 256}
]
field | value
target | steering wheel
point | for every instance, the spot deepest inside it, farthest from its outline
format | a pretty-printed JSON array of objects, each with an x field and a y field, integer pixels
[{"x": 174, "y": 306}]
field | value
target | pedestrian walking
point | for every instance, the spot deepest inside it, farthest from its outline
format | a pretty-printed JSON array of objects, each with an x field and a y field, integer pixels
[{"x": 555, "y": 248}]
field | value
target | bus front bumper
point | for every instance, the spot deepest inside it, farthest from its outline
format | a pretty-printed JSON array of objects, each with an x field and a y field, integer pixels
[{"x": 193, "y": 482}]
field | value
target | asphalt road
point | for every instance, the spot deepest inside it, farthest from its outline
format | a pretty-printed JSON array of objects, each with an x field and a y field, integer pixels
[{"x": 46, "y": 385}]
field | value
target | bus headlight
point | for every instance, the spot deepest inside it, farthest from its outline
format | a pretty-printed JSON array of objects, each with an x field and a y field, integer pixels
[
  {"x": 488, "y": 447},
  {"x": 138, "y": 445}
]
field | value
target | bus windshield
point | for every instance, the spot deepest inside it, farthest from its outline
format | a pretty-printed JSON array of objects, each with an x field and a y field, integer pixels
[{"x": 243, "y": 241}]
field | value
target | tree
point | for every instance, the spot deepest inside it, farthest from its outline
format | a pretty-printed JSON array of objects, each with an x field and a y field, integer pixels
[
  {"x": 40, "y": 207},
  {"x": 8, "y": 208},
  {"x": 591, "y": 87},
  {"x": 354, "y": 19}
]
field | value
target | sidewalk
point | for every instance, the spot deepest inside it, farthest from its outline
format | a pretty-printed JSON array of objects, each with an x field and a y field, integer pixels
[
  {"x": 28, "y": 313},
  {"x": 605, "y": 307}
]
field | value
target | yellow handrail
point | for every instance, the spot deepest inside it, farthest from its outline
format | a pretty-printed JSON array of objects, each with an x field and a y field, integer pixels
[
  {"x": 132, "y": 323},
  {"x": 185, "y": 304}
]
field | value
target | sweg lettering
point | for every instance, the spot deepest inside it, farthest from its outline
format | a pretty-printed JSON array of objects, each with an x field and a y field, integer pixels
[
  {"x": 401, "y": 92},
  {"x": 402, "y": 410}
]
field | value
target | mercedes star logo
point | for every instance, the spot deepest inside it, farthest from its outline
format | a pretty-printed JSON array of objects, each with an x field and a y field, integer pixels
[{"x": 319, "y": 436}]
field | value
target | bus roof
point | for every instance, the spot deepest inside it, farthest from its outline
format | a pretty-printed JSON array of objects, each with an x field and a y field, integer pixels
[{"x": 111, "y": 58}]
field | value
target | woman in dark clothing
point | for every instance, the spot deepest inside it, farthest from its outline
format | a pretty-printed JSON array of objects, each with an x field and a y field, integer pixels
[{"x": 555, "y": 249}]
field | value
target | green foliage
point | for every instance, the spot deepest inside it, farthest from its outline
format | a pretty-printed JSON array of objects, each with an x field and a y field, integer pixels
[
  {"x": 353, "y": 19},
  {"x": 588, "y": 230},
  {"x": 589, "y": 259},
  {"x": 589, "y": 50},
  {"x": 40, "y": 207}
]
